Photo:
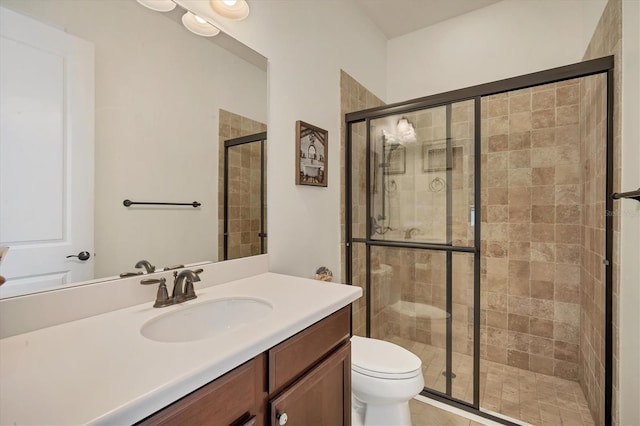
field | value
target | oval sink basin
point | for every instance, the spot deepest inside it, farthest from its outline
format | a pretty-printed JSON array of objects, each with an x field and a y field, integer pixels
[{"x": 205, "y": 319}]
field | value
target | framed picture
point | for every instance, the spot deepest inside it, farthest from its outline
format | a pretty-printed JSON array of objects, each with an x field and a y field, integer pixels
[
  {"x": 434, "y": 158},
  {"x": 311, "y": 155},
  {"x": 395, "y": 158}
]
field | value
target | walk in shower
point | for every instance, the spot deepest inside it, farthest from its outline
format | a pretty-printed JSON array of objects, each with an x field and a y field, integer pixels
[{"x": 475, "y": 223}]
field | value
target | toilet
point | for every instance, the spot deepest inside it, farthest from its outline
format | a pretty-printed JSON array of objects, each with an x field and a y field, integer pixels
[{"x": 384, "y": 377}]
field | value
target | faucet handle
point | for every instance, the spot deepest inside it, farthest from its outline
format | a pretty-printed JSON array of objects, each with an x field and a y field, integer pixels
[{"x": 162, "y": 297}]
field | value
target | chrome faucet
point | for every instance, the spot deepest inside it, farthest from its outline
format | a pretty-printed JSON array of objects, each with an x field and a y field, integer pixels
[
  {"x": 146, "y": 265},
  {"x": 183, "y": 289}
]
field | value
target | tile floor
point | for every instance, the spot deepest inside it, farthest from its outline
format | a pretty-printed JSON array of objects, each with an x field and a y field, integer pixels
[
  {"x": 531, "y": 397},
  {"x": 423, "y": 414}
]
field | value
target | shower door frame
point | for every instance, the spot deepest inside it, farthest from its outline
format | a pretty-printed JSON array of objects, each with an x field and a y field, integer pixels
[
  {"x": 254, "y": 138},
  {"x": 604, "y": 65}
]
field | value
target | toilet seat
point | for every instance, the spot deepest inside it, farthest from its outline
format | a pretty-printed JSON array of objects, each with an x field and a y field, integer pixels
[{"x": 381, "y": 359}]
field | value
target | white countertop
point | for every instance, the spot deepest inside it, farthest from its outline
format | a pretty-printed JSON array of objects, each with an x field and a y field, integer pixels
[{"x": 101, "y": 370}]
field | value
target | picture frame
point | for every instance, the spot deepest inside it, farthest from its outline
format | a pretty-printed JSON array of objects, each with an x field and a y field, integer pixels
[
  {"x": 311, "y": 155},
  {"x": 395, "y": 159}
]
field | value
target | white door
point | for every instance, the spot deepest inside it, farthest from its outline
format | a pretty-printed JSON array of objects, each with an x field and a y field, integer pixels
[{"x": 46, "y": 155}]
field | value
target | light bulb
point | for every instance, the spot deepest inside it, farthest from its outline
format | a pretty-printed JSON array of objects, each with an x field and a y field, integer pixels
[
  {"x": 230, "y": 9},
  {"x": 199, "y": 26}
]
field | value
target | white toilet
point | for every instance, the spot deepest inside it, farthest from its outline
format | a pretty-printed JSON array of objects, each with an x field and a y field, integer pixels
[{"x": 384, "y": 377}]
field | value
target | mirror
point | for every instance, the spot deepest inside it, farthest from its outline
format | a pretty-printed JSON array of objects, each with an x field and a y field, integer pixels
[{"x": 160, "y": 93}]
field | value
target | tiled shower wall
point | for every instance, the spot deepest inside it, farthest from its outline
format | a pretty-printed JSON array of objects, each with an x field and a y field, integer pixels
[
  {"x": 531, "y": 228},
  {"x": 606, "y": 40},
  {"x": 244, "y": 189},
  {"x": 592, "y": 298}
]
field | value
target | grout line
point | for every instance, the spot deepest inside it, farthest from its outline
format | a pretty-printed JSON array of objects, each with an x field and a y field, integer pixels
[{"x": 468, "y": 415}]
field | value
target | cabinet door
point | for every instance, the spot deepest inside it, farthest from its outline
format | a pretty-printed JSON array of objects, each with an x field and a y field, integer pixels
[
  {"x": 321, "y": 397},
  {"x": 237, "y": 398}
]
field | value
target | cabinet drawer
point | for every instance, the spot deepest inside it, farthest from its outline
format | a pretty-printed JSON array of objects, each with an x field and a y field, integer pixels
[
  {"x": 236, "y": 398},
  {"x": 291, "y": 358}
]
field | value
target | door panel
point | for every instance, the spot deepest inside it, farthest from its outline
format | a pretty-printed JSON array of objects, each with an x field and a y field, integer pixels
[
  {"x": 321, "y": 397},
  {"x": 46, "y": 154}
]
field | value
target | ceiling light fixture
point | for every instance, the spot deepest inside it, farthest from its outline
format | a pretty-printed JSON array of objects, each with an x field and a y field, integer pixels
[
  {"x": 158, "y": 5},
  {"x": 199, "y": 26},
  {"x": 405, "y": 131},
  {"x": 231, "y": 9}
]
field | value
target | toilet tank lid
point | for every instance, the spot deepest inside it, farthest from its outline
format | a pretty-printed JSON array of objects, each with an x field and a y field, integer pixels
[{"x": 379, "y": 356}]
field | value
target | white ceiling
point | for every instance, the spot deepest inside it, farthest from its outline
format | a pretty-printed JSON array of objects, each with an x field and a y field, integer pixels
[{"x": 399, "y": 17}]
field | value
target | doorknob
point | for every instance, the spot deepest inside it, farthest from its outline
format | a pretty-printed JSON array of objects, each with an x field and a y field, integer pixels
[
  {"x": 282, "y": 418},
  {"x": 83, "y": 255}
]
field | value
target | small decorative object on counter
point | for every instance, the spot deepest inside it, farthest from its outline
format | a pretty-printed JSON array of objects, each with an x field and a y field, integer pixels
[{"x": 324, "y": 274}]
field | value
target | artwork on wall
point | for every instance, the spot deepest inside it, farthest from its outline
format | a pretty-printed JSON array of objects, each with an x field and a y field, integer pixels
[
  {"x": 311, "y": 155},
  {"x": 395, "y": 158}
]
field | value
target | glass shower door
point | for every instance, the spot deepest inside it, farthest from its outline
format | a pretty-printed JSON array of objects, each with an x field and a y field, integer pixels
[
  {"x": 245, "y": 197},
  {"x": 418, "y": 197}
]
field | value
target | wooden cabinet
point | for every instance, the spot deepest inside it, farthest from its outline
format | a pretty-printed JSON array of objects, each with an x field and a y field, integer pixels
[
  {"x": 291, "y": 358},
  {"x": 321, "y": 397},
  {"x": 307, "y": 378},
  {"x": 237, "y": 398}
]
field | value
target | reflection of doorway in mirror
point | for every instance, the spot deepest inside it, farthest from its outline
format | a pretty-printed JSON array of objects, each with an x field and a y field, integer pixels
[
  {"x": 242, "y": 212},
  {"x": 46, "y": 165}
]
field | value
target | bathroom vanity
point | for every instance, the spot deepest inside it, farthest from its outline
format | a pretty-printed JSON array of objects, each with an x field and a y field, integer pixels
[
  {"x": 292, "y": 362},
  {"x": 305, "y": 379}
]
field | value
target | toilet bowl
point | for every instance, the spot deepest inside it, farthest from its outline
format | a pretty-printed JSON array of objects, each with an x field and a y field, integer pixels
[{"x": 384, "y": 377}]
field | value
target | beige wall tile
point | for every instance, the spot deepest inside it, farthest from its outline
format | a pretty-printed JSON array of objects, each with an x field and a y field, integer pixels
[
  {"x": 542, "y": 328},
  {"x": 543, "y": 100},
  {"x": 543, "y": 118},
  {"x": 541, "y": 138},
  {"x": 543, "y": 214},
  {"x": 519, "y": 101},
  {"x": 543, "y": 176},
  {"x": 568, "y": 95},
  {"x": 498, "y": 143},
  {"x": 520, "y": 122}
]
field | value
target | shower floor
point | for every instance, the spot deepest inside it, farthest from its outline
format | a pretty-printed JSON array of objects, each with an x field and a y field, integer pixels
[{"x": 535, "y": 398}]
